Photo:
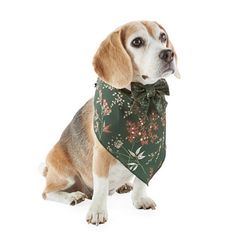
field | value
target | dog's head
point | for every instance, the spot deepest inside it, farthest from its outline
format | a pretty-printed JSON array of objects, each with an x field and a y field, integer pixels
[{"x": 137, "y": 51}]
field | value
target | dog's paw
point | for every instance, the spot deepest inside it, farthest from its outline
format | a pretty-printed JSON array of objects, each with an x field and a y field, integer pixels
[
  {"x": 125, "y": 188},
  {"x": 144, "y": 203},
  {"x": 96, "y": 216},
  {"x": 76, "y": 198}
]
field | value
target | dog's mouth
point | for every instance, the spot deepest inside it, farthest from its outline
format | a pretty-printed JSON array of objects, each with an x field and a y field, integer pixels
[
  {"x": 145, "y": 79},
  {"x": 165, "y": 73},
  {"x": 168, "y": 72}
]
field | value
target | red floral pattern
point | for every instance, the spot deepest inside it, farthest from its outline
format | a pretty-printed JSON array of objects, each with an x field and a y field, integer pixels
[
  {"x": 105, "y": 107},
  {"x": 145, "y": 130},
  {"x": 106, "y": 128}
]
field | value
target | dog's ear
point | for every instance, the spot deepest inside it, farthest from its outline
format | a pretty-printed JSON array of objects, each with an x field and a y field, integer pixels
[
  {"x": 170, "y": 45},
  {"x": 112, "y": 63}
]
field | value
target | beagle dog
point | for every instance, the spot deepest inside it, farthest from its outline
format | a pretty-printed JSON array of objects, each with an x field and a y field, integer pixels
[{"x": 78, "y": 166}]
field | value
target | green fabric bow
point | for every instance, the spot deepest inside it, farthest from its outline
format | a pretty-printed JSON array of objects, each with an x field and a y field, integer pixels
[{"x": 145, "y": 96}]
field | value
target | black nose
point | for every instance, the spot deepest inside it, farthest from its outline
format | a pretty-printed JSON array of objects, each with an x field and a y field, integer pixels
[{"x": 167, "y": 55}]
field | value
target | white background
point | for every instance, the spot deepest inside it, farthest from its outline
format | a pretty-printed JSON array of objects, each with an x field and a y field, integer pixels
[{"x": 46, "y": 49}]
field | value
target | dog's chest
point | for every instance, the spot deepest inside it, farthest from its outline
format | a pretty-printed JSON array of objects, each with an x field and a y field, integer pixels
[{"x": 118, "y": 175}]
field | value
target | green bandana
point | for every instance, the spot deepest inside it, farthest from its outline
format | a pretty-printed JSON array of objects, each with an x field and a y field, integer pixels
[{"x": 131, "y": 125}]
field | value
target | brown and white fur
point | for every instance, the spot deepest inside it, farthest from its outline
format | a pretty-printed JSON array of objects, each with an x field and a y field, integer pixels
[{"x": 78, "y": 167}]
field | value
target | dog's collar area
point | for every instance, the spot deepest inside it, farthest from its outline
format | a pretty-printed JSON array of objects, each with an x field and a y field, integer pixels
[
  {"x": 161, "y": 84},
  {"x": 143, "y": 95}
]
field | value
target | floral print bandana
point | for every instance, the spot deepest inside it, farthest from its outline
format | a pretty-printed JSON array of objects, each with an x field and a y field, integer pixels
[{"x": 131, "y": 125}]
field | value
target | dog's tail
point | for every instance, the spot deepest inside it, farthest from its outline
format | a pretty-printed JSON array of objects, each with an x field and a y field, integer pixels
[{"x": 43, "y": 170}]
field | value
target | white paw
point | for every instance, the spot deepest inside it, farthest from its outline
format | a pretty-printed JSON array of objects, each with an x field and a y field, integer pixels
[
  {"x": 76, "y": 197},
  {"x": 64, "y": 197},
  {"x": 144, "y": 203},
  {"x": 97, "y": 216}
]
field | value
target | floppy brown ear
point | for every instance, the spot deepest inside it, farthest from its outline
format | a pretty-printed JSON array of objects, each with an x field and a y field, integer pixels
[
  {"x": 112, "y": 63},
  {"x": 170, "y": 45}
]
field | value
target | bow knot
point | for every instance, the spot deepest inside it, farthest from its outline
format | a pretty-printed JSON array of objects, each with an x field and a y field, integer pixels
[
  {"x": 151, "y": 91},
  {"x": 145, "y": 96}
]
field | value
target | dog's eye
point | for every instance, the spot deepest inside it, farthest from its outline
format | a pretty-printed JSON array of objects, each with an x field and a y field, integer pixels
[
  {"x": 137, "y": 42},
  {"x": 163, "y": 37}
]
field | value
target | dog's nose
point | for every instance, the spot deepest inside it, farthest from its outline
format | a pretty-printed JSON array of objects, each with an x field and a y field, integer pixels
[{"x": 167, "y": 55}]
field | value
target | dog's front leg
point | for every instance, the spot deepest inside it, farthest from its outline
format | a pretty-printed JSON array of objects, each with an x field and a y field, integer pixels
[
  {"x": 139, "y": 196},
  {"x": 97, "y": 213}
]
